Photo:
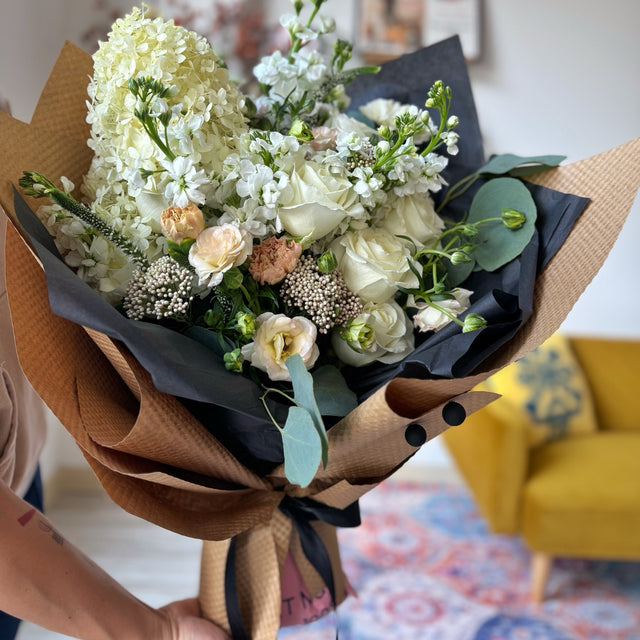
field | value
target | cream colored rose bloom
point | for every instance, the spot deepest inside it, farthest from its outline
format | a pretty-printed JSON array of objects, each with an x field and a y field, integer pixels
[
  {"x": 279, "y": 337},
  {"x": 180, "y": 223},
  {"x": 319, "y": 202},
  {"x": 373, "y": 262},
  {"x": 430, "y": 319},
  {"x": 218, "y": 249},
  {"x": 411, "y": 215},
  {"x": 393, "y": 336}
]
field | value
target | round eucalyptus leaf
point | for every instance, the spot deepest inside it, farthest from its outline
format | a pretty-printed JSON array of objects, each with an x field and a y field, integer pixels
[{"x": 497, "y": 244}]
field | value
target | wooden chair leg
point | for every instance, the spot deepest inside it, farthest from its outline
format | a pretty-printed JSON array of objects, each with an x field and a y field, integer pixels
[{"x": 540, "y": 569}]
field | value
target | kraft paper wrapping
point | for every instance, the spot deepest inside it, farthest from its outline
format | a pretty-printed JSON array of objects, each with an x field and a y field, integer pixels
[{"x": 156, "y": 461}]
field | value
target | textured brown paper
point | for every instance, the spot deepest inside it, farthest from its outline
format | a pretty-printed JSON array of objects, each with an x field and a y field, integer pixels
[{"x": 156, "y": 461}]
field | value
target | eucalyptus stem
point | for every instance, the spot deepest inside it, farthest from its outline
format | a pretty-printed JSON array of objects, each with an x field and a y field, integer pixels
[
  {"x": 263, "y": 399},
  {"x": 38, "y": 186},
  {"x": 458, "y": 189}
]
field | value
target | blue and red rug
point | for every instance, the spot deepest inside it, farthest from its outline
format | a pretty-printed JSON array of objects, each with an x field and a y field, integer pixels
[{"x": 426, "y": 568}]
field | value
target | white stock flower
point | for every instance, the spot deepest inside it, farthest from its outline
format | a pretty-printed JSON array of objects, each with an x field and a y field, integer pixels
[
  {"x": 279, "y": 337},
  {"x": 218, "y": 249},
  {"x": 185, "y": 183},
  {"x": 429, "y": 319},
  {"x": 373, "y": 263},
  {"x": 412, "y": 215},
  {"x": 393, "y": 336},
  {"x": 319, "y": 201}
]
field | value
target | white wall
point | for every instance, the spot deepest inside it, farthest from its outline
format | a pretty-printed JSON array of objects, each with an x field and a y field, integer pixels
[{"x": 556, "y": 76}]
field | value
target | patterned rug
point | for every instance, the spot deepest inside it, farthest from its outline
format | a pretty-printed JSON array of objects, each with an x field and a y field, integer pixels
[{"x": 425, "y": 567}]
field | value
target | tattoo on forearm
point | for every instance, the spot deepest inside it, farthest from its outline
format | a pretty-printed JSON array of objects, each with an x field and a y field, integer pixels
[
  {"x": 43, "y": 525},
  {"x": 23, "y": 520}
]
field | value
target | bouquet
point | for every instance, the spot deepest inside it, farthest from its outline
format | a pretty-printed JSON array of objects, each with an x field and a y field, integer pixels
[{"x": 260, "y": 307}]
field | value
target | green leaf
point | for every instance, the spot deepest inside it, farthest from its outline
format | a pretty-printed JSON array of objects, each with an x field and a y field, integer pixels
[
  {"x": 498, "y": 245},
  {"x": 508, "y": 163},
  {"x": 304, "y": 397},
  {"x": 333, "y": 396},
  {"x": 302, "y": 447},
  {"x": 458, "y": 273}
]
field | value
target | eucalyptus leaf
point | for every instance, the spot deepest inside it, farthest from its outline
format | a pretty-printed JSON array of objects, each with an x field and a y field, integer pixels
[
  {"x": 498, "y": 245},
  {"x": 508, "y": 163},
  {"x": 303, "y": 395},
  {"x": 333, "y": 396},
  {"x": 302, "y": 447},
  {"x": 458, "y": 273}
]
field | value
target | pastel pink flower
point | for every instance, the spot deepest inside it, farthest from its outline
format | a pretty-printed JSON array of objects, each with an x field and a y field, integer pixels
[{"x": 273, "y": 259}]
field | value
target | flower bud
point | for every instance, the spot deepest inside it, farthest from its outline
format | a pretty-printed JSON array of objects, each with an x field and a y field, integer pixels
[
  {"x": 327, "y": 262},
  {"x": 453, "y": 122},
  {"x": 246, "y": 323},
  {"x": 384, "y": 131},
  {"x": 459, "y": 257},
  {"x": 180, "y": 223},
  {"x": 301, "y": 130},
  {"x": 297, "y": 5},
  {"x": 359, "y": 336},
  {"x": 328, "y": 24},
  {"x": 472, "y": 322},
  {"x": 513, "y": 219},
  {"x": 470, "y": 230},
  {"x": 383, "y": 146},
  {"x": 233, "y": 360}
]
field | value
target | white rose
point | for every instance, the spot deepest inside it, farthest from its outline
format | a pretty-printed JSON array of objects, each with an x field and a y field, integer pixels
[
  {"x": 218, "y": 249},
  {"x": 411, "y": 215},
  {"x": 373, "y": 262},
  {"x": 279, "y": 337},
  {"x": 319, "y": 202},
  {"x": 393, "y": 336},
  {"x": 430, "y": 319}
]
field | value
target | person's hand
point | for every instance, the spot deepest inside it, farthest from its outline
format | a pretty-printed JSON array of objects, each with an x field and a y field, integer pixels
[{"x": 185, "y": 622}]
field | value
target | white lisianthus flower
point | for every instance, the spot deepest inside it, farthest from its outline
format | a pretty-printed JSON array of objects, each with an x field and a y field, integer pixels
[
  {"x": 382, "y": 110},
  {"x": 412, "y": 215},
  {"x": 392, "y": 331},
  {"x": 218, "y": 249},
  {"x": 430, "y": 319},
  {"x": 318, "y": 202},
  {"x": 373, "y": 262},
  {"x": 279, "y": 337}
]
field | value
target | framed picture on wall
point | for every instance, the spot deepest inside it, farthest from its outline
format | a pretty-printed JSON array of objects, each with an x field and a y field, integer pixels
[
  {"x": 445, "y": 18},
  {"x": 387, "y": 29}
]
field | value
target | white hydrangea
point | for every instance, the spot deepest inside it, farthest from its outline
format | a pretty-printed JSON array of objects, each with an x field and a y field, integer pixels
[
  {"x": 209, "y": 103},
  {"x": 207, "y": 116}
]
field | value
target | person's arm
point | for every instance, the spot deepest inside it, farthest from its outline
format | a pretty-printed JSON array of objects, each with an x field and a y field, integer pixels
[{"x": 46, "y": 580}]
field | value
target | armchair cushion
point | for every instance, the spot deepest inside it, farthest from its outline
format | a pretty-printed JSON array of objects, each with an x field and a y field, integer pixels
[
  {"x": 547, "y": 392},
  {"x": 582, "y": 497}
]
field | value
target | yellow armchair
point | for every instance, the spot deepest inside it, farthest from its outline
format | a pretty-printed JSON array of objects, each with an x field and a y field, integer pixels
[{"x": 576, "y": 495}]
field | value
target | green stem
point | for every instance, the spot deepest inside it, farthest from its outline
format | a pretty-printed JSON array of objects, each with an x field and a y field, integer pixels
[
  {"x": 263, "y": 399},
  {"x": 458, "y": 189}
]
